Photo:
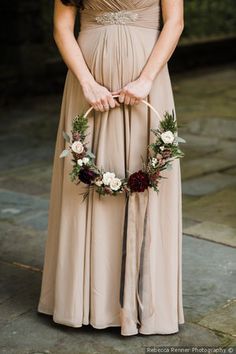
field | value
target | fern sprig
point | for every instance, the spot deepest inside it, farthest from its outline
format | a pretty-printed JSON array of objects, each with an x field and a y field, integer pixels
[{"x": 169, "y": 123}]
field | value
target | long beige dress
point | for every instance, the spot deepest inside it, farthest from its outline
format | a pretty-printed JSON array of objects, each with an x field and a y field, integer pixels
[{"x": 113, "y": 261}]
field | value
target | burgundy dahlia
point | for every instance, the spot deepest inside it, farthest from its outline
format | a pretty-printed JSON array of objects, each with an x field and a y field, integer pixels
[
  {"x": 138, "y": 181},
  {"x": 86, "y": 175}
]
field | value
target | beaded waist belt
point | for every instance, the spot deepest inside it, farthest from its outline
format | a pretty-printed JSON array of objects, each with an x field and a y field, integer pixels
[
  {"x": 144, "y": 17},
  {"x": 118, "y": 17}
]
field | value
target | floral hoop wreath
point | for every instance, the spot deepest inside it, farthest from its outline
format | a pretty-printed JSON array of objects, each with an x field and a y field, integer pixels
[{"x": 161, "y": 153}]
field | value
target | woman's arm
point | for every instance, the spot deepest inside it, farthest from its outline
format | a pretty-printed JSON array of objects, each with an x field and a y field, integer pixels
[
  {"x": 173, "y": 17},
  {"x": 63, "y": 32}
]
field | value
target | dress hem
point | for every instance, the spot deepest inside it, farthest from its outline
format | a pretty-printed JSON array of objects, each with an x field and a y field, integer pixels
[{"x": 71, "y": 324}]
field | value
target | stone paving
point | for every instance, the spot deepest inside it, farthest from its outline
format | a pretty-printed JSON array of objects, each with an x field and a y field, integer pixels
[{"x": 206, "y": 116}]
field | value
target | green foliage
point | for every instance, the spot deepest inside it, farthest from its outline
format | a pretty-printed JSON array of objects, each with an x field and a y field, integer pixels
[
  {"x": 80, "y": 124},
  {"x": 168, "y": 123},
  {"x": 75, "y": 172},
  {"x": 154, "y": 147},
  {"x": 209, "y": 18}
]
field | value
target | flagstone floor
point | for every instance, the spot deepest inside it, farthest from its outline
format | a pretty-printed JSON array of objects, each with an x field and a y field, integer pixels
[{"x": 206, "y": 117}]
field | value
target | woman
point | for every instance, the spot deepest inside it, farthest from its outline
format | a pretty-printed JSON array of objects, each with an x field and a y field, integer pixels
[{"x": 93, "y": 271}]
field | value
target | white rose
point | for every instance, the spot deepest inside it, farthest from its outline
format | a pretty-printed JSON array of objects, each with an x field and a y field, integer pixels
[
  {"x": 85, "y": 160},
  {"x": 115, "y": 184},
  {"x": 80, "y": 162},
  {"x": 167, "y": 137},
  {"x": 98, "y": 183},
  {"x": 77, "y": 147},
  {"x": 107, "y": 177}
]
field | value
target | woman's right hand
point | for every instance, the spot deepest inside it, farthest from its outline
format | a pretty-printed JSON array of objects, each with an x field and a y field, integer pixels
[{"x": 98, "y": 96}]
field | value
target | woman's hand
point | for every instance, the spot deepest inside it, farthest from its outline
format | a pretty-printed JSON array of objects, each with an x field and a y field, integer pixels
[
  {"x": 98, "y": 96},
  {"x": 135, "y": 91}
]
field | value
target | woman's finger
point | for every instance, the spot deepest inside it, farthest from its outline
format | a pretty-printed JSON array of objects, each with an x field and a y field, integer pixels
[
  {"x": 127, "y": 99},
  {"x": 95, "y": 106},
  {"x": 121, "y": 97},
  {"x": 105, "y": 103},
  {"x": 116, "y": 93},
  {"x": 100, "y": 107},
  {"x": 111, "y": 102},
  {"x": 117, "y": 104},
  {"x": 137, "y": 101},
  {"x": 132, "y": 101},
  {"x": 106, "y": 107}
]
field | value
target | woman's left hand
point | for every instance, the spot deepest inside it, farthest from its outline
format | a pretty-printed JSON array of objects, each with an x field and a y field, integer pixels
[{"x": 135, "y": 91}]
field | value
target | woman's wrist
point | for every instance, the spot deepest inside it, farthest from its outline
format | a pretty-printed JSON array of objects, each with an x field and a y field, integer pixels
[
  {"x": 86, "y": 81},
  {"x": 145, "y": 77}
]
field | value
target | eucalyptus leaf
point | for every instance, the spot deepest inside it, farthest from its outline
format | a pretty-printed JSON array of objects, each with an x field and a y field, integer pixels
[
  {"x": 64, "y": 153},
  {"x": 90, "y": 154},
  {"x": 66, "y": 136},
  {"x": 181, "y": 140},
  {"x": 169, "y": 167}
]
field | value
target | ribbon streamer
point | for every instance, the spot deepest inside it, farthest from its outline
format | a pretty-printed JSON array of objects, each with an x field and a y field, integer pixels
[{"x": 135, "y": 284}]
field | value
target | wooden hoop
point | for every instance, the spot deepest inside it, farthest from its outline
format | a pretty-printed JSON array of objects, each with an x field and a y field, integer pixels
[{"x": 142, "y": 101}]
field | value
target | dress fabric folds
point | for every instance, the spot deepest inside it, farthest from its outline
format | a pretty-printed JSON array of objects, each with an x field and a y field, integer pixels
[{"x": 115, "y": 261}]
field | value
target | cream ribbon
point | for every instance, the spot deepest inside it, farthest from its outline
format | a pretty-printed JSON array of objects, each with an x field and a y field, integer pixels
[{"x": 136, "y": 287}]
